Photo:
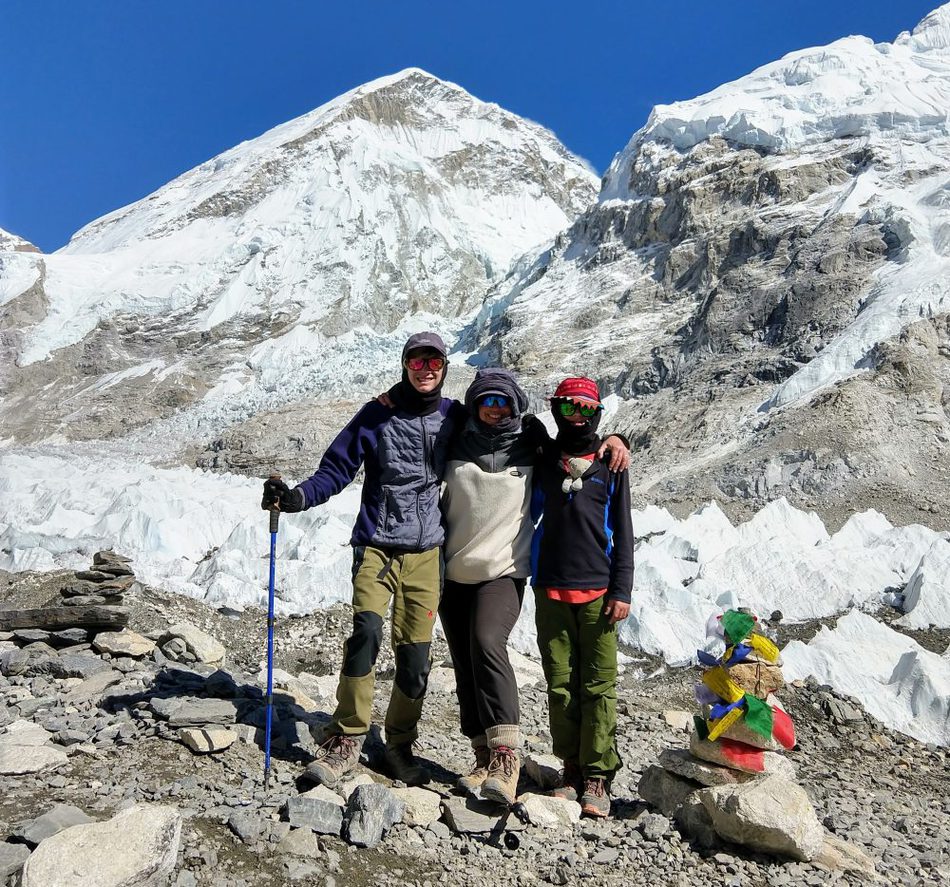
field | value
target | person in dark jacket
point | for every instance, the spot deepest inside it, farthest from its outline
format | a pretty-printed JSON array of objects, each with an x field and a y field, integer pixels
[
  {"x": 486, "y": 501},
  {"x": 582, "y": 580},
  {"x": 396, "y": 553}
]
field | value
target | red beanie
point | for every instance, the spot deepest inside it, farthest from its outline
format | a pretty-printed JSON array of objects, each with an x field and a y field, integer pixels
[{"x": 578, "y": 389}]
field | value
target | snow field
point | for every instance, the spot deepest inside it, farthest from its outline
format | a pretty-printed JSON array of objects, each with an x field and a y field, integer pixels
[{"x": 204, "y": 535}]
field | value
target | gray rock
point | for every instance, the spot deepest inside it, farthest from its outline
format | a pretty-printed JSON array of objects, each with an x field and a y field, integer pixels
[
  {"x": 606, "y": 856},
  {"x": 17, "y": 760},
  {"x": 194, "y": 712},
  {"x": 664, "y": 790},
  {"x": 247, "y": 826},
  {"x": 92, "y": 575},
  {"x": 197, "y": 642},
  {"x": 31, "y": 635},
  {"x": 370, "y": 812},
  {"x": 123, "y": 643},
  {"x": 109, "y": 558},
  {"x": 653, "y": 826},
  {"x": 300, "y": 842},
  {"x": 421, "y": 805},
  {"x": 769, "y": 814},
  {"x": 69, "y": 636},
  {"x": 12, "y": 857},
  {"x": 94, "y": 687},
  {"x": 472, "y": 816},
  {"x": 59, "y": 818},
  {"x": 543, "y": 770},
  {"x": 682, "y": 763},
  {"x": 207, "y": 740},
  {"x": 321, "y": 816},
  {"x": 137, "y": 846},
  {"x": 77, "y": 665}
]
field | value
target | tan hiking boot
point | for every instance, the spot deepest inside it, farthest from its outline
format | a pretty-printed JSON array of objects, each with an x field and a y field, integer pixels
[
  {"x": 472, "y": 782},
  {"x": 337, "y": 756},
  {"x": 571, "y": 786},
  {"x": 595, "y": 800},
  {"x": 504, "y": 768},
  {"x": 403, "y": 766}
]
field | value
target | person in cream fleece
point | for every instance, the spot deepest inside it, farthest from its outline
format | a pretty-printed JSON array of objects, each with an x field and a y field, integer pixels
[{"x": 486, "y": 500}]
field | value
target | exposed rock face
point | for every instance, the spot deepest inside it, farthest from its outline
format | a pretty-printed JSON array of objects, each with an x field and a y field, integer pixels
[{"x": 738, "y": 264}]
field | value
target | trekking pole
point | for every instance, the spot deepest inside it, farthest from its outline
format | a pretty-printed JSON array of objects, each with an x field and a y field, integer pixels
[{"x": 274, "y": 518}]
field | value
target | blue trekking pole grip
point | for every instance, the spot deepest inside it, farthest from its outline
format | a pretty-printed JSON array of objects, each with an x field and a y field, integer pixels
[{"x": 274, "y": 519}]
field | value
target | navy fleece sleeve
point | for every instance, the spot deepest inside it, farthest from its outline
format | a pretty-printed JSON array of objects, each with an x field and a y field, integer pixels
[
  {"x": 343, "y": 457},
  {"x": 620, "y": 587}
]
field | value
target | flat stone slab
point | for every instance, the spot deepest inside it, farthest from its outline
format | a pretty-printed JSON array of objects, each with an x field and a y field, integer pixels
[
  {"x": 207, "y": 740},
  {"x": 54, "y": 821},
  {"x": 194, "y": 712},
  {"x": 322, "y": 793},
  {"x": 322, "y": 817},
  {"x": 472, "y": 816},
  {"x": 123, "y": 643},
  {"x": 550, "y": 812},
  {"x": 682, "y": 763},
  {"x": 25, "y": 733},
  {"x": 137, "y": 846},
  {"x": 421, "y": 805},
  {"x": 77, "y": 665},
  {"x": 18, "y": 760},
  {"x": 94, "y": 687}
]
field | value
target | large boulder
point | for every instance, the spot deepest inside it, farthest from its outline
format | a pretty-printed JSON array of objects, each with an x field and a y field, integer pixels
[
  {"x": 770, "y": 814},
  {"x": 136, "y": 848}
]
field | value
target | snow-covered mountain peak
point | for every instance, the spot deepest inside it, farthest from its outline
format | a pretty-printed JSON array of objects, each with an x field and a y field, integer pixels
[
  {"x": 10, "y": 242},
  {"x": 849, "y": 88},
  {"x": 933, "y": 32},
  {"x": 393, "y": 206}
]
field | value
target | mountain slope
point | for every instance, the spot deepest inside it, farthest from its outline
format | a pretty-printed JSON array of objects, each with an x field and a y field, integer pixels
[
  {"x": 750, "y": 249},
  {"x": 287, "y": 267}
]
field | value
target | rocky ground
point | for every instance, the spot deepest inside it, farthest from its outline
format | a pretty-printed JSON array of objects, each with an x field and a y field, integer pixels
[{"x": 119, "y": 724}]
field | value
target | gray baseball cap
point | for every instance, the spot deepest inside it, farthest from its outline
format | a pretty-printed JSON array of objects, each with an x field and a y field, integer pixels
[{"x": 425, "y": 340}]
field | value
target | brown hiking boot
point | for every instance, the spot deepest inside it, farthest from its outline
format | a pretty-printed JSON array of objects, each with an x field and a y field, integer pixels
[
  {"x": 504, "y": 768},
  {"x": 595, "y": 800},
  {"x": 403, "y": 766},
  {"x": 571, "y": 785},
  {"x": 473, "y": 781},
  {"x": 335, "y": 757}
]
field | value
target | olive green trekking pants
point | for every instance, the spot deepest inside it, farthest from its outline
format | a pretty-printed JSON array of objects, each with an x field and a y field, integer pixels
[
  {"x": 579, "y": 655},
  {"x": 412, "y": 582}
]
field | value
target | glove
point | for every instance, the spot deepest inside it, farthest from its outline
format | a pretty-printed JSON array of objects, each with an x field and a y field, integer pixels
[{"x": 288, "y": 500}]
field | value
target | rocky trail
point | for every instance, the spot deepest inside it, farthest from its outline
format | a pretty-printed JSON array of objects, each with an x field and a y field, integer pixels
[{"x": 137, "y": 754}]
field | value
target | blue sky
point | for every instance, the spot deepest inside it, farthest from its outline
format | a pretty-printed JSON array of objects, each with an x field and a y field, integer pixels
[{"x": 103, "y": 101}]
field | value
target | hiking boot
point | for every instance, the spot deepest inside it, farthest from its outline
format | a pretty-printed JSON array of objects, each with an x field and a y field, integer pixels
[
  {"x": 337, "y": 756},
  {"x": 595, "y": 800},
  {"x": 473, "y": 781},
  {"x": 503, "y": 771},
  {"x": 571, "y": 786},
  {"x": 403, "y": 766}
]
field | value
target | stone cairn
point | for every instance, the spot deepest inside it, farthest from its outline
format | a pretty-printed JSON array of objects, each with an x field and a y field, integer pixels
[
  {"x": 733, "y": 783},
  {"x": 104, "y": 583}
]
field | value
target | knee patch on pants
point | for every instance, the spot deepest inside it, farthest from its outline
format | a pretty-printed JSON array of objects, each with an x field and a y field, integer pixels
[
  {"x": 363, "y": 646},
  {"x": 412, "y": 669}
]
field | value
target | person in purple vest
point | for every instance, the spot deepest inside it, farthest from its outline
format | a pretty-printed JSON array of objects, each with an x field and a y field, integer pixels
[{"x": 397, "y": 559}]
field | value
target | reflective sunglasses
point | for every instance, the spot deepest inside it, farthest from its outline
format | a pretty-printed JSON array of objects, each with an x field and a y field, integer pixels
[
  {"x": 569, "y": 408},
  {"x": 495, "y": 400},
  {"x": 420, "y": 363}
]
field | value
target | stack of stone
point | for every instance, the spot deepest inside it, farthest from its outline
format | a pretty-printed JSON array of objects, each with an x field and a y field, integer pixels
[
  {"x": 104, "y": 583},
  {"x": 733, "y": 782}
]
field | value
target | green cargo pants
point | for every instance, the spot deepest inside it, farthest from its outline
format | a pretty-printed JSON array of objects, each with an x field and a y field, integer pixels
[
  {"x": 412, "y": 581},
  {"x": 579, "y": 655}
]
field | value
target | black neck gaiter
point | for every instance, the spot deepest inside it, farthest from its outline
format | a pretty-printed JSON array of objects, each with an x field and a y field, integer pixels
[
  {"x": 409, "y": 400},
  {"x": 578, "y": 440}
]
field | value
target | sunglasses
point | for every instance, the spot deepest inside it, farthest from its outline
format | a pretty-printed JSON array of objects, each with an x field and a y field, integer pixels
[
  {"x": 495, "y": 400},
  {"x": 420, "y": 363},
  {"x": 569, "y": 408}
]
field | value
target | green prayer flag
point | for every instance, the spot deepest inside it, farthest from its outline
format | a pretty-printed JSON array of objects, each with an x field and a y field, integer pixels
[
  {"x": 736, "y": 625},
  {"x": 701, "y": 729},
  {"x": 758, "y": 716}
]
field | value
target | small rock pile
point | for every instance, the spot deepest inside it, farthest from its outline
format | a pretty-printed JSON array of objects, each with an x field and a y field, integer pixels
[
  {"x": 103, "y": 584},
  {"x": 733, "y": 783}
]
